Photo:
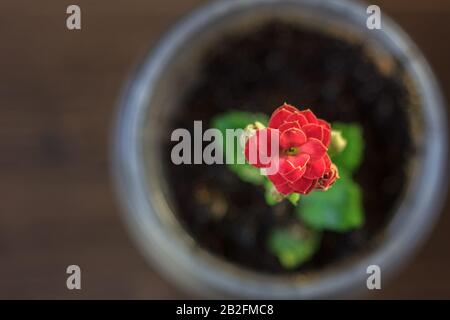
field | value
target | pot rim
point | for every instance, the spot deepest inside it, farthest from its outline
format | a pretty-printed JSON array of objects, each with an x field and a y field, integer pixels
[{"x": 197, "y": 270}]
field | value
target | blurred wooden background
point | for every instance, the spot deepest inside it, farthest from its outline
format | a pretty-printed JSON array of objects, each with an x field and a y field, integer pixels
[{"x": 58, "y": 90}]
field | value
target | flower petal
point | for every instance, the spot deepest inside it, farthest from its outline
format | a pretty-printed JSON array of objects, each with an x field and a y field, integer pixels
[
  {"x": 292, "y": 137},
  {"x": 258, "y": 148},
  {"x": 276, "y": 178},
  {"x": 295, "y": 174},
  {"x": 289, "y": 107},
  {"x": 291, "y": 163},
  {"x": 280, "y": 115},
  {"x": 299, "y": 118},
  {"x": 326, "y": 132},
  {"x": 288, "y": 125},
  {"x": 313, "y": 130},
  {"x": 304, "y": 185},
  {"x": 317, "y": 131},
  {"x": 327, "y": 160},
  {"x": 314, "y": 148},
  {"x": 309, "y": 115},
  {"x": 299, "y": 160},
  {"x": 316, "y": 169},
  {"x": 324, "y": 124},
  {"x": 326, "y": 137},
  {"x": 290, "y": 169},
  {"x": 284, "y": 188}
]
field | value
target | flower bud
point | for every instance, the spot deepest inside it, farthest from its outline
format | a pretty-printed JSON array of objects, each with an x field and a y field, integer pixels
[
  {"x": 338, "y": 142},
  {"x": 249, "y": 131}
]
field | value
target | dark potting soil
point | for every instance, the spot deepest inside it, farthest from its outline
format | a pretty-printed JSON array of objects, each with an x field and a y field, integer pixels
[{"x": 257, "y": 72}]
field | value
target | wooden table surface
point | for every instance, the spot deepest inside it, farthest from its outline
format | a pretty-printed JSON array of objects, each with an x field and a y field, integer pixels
[{"x": 58, "y": 90}]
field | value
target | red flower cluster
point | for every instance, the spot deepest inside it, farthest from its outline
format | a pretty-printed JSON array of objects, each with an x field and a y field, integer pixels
[{"x": 303, "y": 162}]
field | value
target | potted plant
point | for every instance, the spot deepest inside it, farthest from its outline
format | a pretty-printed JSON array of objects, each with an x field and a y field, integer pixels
[{"x": 222, "y": 230}]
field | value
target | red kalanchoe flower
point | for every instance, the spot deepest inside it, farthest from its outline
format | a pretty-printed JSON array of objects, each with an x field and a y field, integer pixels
[{"x": 303, "y": 162}]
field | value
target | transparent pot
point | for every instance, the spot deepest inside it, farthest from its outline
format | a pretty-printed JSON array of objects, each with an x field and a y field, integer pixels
[{"x": 154, "y": 92}]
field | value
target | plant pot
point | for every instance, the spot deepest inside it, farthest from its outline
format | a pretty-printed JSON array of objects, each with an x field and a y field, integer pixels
[{"x": 157, "y": 91}]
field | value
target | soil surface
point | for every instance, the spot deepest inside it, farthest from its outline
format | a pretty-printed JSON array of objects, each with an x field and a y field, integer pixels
[{"x": 257, "y": 72}]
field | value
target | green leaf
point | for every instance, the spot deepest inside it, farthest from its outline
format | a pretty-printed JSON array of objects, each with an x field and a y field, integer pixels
[
  {"x": 247, "y": 173},
  {"x": 293, "y": 246},
  {"x": 233, "y": 152},
  {"x": 270, "y": 193},
  {"x": 337, "y": 209},
  {"x": 350, "y": 158},
  {"x": 294, "y": 198}
]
